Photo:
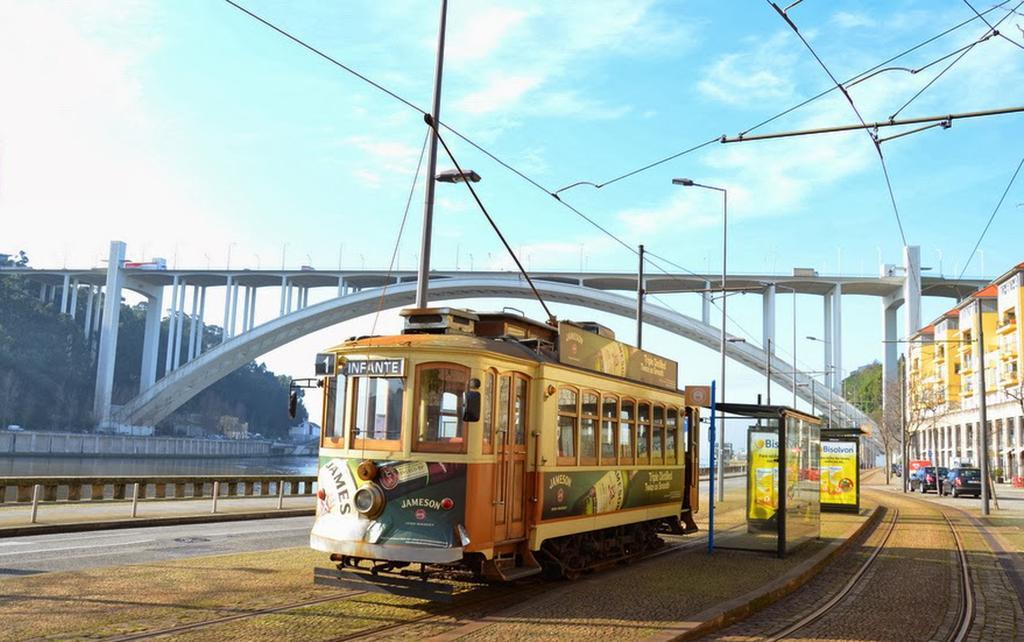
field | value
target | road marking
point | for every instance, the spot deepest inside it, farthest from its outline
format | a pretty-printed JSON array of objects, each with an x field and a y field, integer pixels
[{"x": 75, "y": 548}]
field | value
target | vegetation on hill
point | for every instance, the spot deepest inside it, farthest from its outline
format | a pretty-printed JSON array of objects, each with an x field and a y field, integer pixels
[{"x": 48, "y": 372}]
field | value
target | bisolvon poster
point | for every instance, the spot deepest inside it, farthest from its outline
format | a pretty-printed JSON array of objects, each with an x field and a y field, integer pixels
[
  {"x": 839, "y": 472},
  {"x": 763, "y": 475},
  {"x": 572, "y": 493}
]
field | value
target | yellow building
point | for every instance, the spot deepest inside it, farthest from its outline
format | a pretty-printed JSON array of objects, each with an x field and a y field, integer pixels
[{"x": 943, "y": 393}]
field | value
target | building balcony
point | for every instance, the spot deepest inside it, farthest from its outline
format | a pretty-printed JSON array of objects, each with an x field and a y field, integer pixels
[{"x": 1007, "y": 328}]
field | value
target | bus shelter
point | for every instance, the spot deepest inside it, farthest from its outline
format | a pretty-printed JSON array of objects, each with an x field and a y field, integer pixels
[{"x": 783, "y": 500}]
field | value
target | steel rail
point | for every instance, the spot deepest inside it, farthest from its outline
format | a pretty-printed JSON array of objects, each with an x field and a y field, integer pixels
[
  {"x": 966, "y": 612},
  {"x": 821, "y": 611}
]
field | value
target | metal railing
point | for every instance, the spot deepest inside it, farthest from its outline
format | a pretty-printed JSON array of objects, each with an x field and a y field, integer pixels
[{"x": 107, "y": 490}]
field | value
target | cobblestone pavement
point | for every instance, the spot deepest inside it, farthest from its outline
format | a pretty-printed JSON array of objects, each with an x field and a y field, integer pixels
[{"x": 911, "y": 592}]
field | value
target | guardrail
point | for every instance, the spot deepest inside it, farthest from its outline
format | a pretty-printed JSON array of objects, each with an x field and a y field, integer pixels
[
  {"x": 729, "y": 470},
  {"x": 90, "y": 490}
]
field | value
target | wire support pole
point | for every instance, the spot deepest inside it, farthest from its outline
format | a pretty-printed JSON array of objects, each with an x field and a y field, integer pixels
[
  {"x": 640, "y": 301},
  {"x": 552, "y": 320},
  {"x": 423, "y": 271},
  {"x": 984, "y": 415},
  {"x": 876, "y": 125}
]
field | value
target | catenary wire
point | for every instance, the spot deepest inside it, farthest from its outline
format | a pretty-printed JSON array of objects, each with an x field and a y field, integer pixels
[
  {"x": 849, "y": 99},
  {"x": 991, "y": 218},
  {"x": 852, "y": 80},
  {"x": 988, "y": 34},
  {"x": 992, "y": 27},
  {"x": 401, "y": 229}
]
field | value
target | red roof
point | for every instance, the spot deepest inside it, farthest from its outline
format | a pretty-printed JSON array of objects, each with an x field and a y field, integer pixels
[{"x": 987, "y": 291}]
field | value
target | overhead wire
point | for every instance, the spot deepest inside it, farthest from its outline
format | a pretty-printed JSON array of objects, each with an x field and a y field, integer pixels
[
  {"x": 988, "y": 34},
  {"x": 991, "y": 217},
  {"x": 853, "y": 106},
  {"x": 398, "y": 239},
  {"x": 992, "y": 27}
]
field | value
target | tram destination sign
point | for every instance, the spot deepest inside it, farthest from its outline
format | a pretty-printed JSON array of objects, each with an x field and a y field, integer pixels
[
  {"x": 578, "y": 347},
  {"x": 375, "y": 367}
]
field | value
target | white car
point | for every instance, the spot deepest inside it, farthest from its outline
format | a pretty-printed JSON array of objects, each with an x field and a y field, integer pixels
[{"x": 14, "y": 428}]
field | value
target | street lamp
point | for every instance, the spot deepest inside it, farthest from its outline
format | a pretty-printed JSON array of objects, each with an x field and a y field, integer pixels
[
  {"x": 686, "y": 182},
  {"x": 455, "y": 176},
  {"x": 227, "y": 264}
]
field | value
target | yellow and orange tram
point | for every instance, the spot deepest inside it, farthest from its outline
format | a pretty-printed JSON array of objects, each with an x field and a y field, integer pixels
[{"x": 500, "y": 445}]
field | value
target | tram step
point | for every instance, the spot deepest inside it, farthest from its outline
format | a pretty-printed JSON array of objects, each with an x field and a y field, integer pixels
[{"x": 518, "y": 572}]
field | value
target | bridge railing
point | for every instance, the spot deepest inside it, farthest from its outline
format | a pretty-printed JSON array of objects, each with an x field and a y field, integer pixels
[{"x": 109, "y": 490}]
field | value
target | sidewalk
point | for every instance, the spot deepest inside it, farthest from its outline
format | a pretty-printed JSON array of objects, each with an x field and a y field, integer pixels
[{"x": 15, "y": 519}]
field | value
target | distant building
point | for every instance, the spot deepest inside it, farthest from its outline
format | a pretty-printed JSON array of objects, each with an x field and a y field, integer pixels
[
  {"x": 943, "y": 391},
  {"x": 305, "y": 431},
  {"x": 233, "y": 427}
]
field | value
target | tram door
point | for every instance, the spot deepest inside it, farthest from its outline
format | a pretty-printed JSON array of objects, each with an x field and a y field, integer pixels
[{"x": 510, "y": 452}]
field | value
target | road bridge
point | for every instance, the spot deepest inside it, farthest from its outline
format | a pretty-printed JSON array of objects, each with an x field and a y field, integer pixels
[{"x": 189, "y": 367}]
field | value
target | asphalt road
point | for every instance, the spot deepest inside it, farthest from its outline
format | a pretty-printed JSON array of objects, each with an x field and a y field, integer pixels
[{"x": 74, "y": 551}]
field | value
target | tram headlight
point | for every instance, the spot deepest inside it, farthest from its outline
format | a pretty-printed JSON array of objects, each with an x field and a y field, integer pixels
[{"x": 369, "y": 500}]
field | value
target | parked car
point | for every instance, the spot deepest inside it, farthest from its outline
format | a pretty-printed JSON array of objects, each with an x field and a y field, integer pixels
[
  {"x": 14, "y": 428},
  {"x": 924, "y": 478},
  {"x": 962, "y": 481}
]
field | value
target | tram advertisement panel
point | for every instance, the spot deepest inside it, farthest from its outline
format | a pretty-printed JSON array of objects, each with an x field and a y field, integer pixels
[
  {"x": 569, "y": 494},
  {"x": 585, "y": 349},
  {"x": 839, "y": 472},
  {"x": 762, "y": 475},
  {"x": 424, "y": 501}
]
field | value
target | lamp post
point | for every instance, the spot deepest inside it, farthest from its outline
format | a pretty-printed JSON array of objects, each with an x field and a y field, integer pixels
[{"x": 686, "y": 182}]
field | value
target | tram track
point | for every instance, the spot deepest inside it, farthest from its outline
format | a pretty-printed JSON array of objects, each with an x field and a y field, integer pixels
[
  {"x": 515, "y": 594},
  {"x": 960, "y": 627}
]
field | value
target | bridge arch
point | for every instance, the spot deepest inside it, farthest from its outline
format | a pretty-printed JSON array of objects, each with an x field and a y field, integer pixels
[{"x": 170, "y": 392}]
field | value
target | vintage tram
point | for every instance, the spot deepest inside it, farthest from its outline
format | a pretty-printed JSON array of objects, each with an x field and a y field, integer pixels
[{"x": 500, "y": 445}]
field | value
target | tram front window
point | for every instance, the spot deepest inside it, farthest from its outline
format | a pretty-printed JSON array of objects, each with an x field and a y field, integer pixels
[
  {"x": 439, "y": 411},
  {"x": 378, "y": 408},
  {"x": 334, "y": 425}
]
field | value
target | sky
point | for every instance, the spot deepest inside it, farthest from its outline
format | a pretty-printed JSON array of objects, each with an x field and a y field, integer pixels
[{"x": 193, "y": 132}]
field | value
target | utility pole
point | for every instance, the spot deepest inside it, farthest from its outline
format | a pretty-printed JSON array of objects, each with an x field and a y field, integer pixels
[
  {"x": 640, "y": 301},
  {"x": 905, "y": 438},
  {"x": 984, "y": 414},
  {"x": 423, "y": 273}
]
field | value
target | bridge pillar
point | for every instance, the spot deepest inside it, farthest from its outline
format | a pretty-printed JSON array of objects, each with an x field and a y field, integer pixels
[
  {"x": 108, "y": 336},
  {"x": 252, "y": 308},
  {"x": 705, "y": 304},
  {"x": 65, "y": 290},
  {"x": 768, "y": 318},
  {"x": 827, "y": 341},
  {"x": 169, "y": 353},
  {"x": 198, "y": 349},
  {"x": 73, "y": 309},
  {"x": 837, "y": 337},
  {"x": 911, "y": 290},
  {"x": 191, "y": 351},
  {"x": 179, "y": 321},
  {"x": 87, "y": 324},
  {"x": 227, "y": 310},
  {"x": 151, "y": 339}
]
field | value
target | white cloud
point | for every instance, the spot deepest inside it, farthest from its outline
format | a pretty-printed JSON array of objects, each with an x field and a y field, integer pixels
[
  {"x": 849, "y": 20},
  {"x": 749, "y": 78},
  {"x": 500, "y": 92},
  {"x": 481, "y": 33}
]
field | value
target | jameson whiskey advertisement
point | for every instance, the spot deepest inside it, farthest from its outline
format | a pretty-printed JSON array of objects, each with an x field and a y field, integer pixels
[
  {"x": 570, "y": 494},
  {"x": 762, "y": 475},
  {"x": 578, "y": 347},
  {"x": 425, "y": 501},
  {"x": 839, "y": 473}
]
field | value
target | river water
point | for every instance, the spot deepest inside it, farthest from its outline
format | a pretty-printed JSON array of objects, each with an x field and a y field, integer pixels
[{"x": 103, "y": 466}]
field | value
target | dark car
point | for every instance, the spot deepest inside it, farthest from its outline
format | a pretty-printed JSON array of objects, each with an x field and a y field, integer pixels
[
  {"x": 962, "y": 481},
  {"x": 924, "y": 478}
]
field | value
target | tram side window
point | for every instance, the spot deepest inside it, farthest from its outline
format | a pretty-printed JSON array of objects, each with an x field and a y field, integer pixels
[
  {"x": 378, "y": 408},
  {"x": 588, "y": 428},
  {"x": 627, "y": 420},
  {"x": 657, "y": 434},
  {"x": 609, "y": 414},
  {"x": 334, "y": 422},
  {"x": 504, "y": 387},
  {"x": 643, "y": 432},
  {"x": 568, "y": 417},
  {"x": 488, "y": 412},
  {"x": 671, "y": 436},
  {"x": 439, "y": 411}
]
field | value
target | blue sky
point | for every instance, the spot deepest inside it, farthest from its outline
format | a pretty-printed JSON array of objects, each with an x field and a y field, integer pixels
[{"x": 187, "y": 128}]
